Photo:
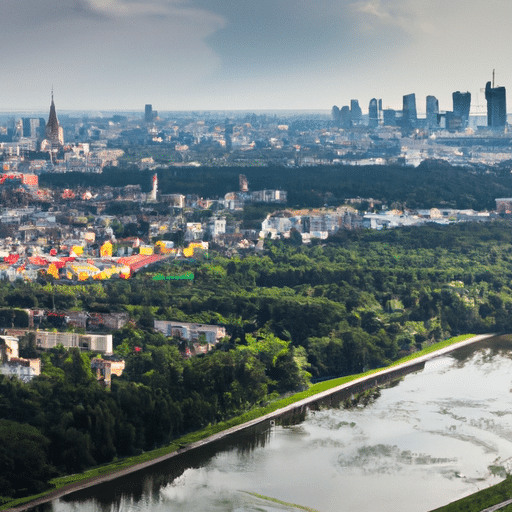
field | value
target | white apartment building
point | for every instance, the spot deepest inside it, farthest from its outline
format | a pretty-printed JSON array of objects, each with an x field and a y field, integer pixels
[
  {"x": 24, "y": 369},
  {"x": 91, "y": 342},
  {"x": 191, "y": 332}
]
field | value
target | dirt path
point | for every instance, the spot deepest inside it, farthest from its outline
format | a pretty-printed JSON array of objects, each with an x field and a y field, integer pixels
[{"x": 83, "y": 484}]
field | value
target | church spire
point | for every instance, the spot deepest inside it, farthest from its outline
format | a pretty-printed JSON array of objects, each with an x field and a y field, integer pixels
[{"x": 53, "y": 131}]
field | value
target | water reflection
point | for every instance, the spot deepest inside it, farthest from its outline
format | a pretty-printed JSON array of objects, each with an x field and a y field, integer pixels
[
  {"x": 146, "y": 485},
  {"x": 487, "y": 350}
]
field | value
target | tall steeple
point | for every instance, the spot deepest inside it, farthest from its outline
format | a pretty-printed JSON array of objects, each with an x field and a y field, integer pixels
[{"x": 53, "y": 131}]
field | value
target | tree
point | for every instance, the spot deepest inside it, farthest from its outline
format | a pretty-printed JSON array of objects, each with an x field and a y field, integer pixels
[
  {"x": 27, "y": 346},
  {"x": 295, "y": 237},
  {"x": 78, "y": 367},
  {"x": 24, "y": 466}
]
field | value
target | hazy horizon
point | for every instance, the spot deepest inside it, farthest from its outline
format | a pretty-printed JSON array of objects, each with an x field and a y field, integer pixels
[{"x": 202, "y": 55}]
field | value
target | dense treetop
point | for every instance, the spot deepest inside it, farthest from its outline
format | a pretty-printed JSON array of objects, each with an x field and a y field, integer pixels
[{"x": 431, "y": 184}]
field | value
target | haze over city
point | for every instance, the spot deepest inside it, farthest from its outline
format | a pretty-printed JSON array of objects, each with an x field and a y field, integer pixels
[{"x": 279, "y": 54}]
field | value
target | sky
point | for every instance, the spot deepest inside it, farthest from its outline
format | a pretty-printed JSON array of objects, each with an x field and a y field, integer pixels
[{"x": 249, "y": 55}]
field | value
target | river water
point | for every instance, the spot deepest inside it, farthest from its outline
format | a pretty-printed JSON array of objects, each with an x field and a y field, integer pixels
[{"x": 438, "y": 435}]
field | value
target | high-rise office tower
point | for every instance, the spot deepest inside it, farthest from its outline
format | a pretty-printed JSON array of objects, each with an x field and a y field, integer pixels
[
  {"x": 54, "y": 132},
  {"x": 409, "y": 113},
  {"x": 373, "y": 113},
  {"x": 389, "y": 117},
  {"x": 496, "y": 106},
  {"x": 345, "y": 117},
  {"x": 461, "y": 106},
  {"x": 355, "y": 112},
  {"x": 432, "y": 112},
  {"x": 148, "y": 113},
  {"x": 33, "y": 127}
]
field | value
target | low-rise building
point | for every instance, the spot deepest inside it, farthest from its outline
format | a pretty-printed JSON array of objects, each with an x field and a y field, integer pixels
[
  {"x": 109, "y": 320},
  {"x": 24, "y": 369},
  {"x": 105, "y": 368},
  {"x": 90, "y": 342},
  {"x": 210, "y": 334},
  {"x": 12, "y": 365}
]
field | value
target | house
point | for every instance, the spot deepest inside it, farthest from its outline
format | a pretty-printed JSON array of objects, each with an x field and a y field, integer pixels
[
  {"x": 24, "y": 369},
  {"x": 13, "y": 366},
  {"x": 106, "y": 368}
]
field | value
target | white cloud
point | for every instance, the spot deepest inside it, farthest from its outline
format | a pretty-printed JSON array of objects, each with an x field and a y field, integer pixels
[
  {"x": 407, "y": 15},
  {"x": 119, "y": 8}
]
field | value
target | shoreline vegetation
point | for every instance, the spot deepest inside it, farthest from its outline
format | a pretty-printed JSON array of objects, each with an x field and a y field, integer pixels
[
  {"x": 71, "y": 483},
  {"x": 279, "y": 502},
  {"x": 492, "y": 498}
]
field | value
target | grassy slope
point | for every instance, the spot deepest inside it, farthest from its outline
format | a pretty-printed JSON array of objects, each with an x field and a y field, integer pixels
[
  {"x": 483, "y": 499},
  {"x": 219, "y": 427}
]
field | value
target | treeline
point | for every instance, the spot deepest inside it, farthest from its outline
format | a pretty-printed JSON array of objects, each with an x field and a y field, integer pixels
[{"x": 431, "y": 184}]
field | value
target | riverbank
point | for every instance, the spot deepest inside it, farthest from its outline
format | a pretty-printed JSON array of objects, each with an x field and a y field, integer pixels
[{"x": 315, "y": 393}]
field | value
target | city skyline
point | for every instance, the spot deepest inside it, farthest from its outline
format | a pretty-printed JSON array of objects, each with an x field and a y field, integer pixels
[{"x": 284, "y": 54}]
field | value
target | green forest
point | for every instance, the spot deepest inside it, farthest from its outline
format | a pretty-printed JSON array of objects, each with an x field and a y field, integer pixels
[
  {"x": 293, "y": 314},
  {"x": 431, "y": 184}
]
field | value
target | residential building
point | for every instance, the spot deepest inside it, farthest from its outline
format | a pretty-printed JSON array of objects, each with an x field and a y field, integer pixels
[
  {"x": 106, "y": 368},
  {"x": 210, "y": 334},
  {"x": 504, "y": 205},
  {"x": 24, "y": 369},
  {"x": 217, "y": 226},
  {"x": 89, "y": 342},
  {"x": 12, "y": 365},
  {"x": 110, "y": 321}
]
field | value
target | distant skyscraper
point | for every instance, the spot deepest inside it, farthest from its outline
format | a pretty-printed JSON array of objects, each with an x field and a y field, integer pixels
[
  {"x": 373, "y": 113},
  {"x": 148, "y": 113},
  {"x": 389, "y": 117},
  {"x": 33, "y": 127},
  {"x": 409, "y": 113},
  {"x": 335, "y": 114},
  {"x": 355, "y": 112},
  {"x": 54, "y": 132},
  {"x": 461, "y": 106},
  {"x": 496, "y": 106},
  {"x": 432, "y": 112},
  {"x": 345, "y": 117}
]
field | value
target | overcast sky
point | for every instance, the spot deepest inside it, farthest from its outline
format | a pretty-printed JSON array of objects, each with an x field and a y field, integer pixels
[{"x": 240, "y": 54}]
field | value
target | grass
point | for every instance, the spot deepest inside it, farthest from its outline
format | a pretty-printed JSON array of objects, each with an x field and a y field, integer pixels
[
  {"x": 482, "y": 499},
  {"x": 279, "y": 502},
  {"x": 224, "y": 425}
]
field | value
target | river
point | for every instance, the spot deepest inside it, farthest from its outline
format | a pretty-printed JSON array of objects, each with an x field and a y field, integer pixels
[{"x": 438, "y": 435}]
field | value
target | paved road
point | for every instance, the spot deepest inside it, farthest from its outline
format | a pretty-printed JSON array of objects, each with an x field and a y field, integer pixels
[
  {"x": 498, "y": 506},
  {"x": 68, "y": 489}
]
